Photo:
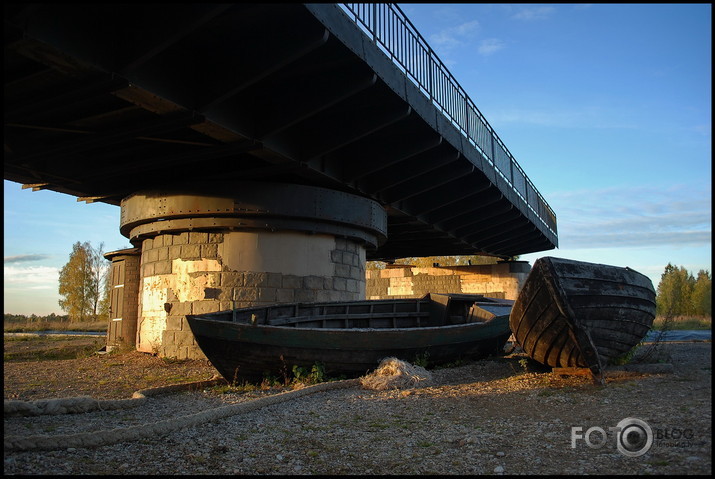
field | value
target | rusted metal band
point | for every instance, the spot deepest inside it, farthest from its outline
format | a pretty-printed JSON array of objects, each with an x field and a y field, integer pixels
[{"x": 251, "y": 206}]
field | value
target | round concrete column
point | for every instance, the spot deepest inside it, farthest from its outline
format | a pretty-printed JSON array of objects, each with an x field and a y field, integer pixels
[{"x": 240, "y": 245}]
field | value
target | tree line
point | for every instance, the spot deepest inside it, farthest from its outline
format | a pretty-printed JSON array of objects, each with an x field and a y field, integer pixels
[
  {"x": 428, "y": 261},
  {"x": 33, "y": 318},
  {"x": 680, "y": 293}
]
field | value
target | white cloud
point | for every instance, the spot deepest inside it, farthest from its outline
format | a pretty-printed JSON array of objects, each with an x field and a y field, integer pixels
[
  {"x": 467, "y": 28},
  {"x": 577, "y": 117},
  {"x": 490, "y": 45},
  {"x": 633, "y": 216},
  {"x": 36, "y": 277},
  {"x": 595, "y": 239},
  {"x": 454, "y": 36},
  {"x": 534, "y": 13},
  {"x": 21, "y": 258},
  {"x": 703, "y": 130}
]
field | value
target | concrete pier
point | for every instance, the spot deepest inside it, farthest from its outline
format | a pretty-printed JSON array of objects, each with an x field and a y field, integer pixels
[{"x": 242, "y": 245}]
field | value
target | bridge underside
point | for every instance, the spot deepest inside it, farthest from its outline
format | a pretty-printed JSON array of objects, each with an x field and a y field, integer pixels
[{"x": 102, "y": 101}]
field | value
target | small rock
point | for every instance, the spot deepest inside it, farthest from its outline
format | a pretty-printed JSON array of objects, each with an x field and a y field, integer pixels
[
  {"x": 500, "y": 454},
  {"x": 279, "y": 457},
  {"x": 499, "y": 469}
]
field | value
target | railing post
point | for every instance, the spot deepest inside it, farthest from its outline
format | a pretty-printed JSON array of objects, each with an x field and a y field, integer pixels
[
  {"x": 491, "y": 140},
  {"x": 511, "y": 170},
  {"x": 374, "y": 20},
  {"x": 429, "y": 67},
  {"x": 466, "y": 118}
]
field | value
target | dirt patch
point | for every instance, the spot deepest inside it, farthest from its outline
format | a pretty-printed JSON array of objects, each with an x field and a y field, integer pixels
[
  {"x": 102, "y": 376},
  {"x": 29, "y": 348}
]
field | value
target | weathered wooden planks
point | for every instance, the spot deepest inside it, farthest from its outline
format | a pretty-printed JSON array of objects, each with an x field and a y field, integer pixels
[{"x": 578, "y": 314}]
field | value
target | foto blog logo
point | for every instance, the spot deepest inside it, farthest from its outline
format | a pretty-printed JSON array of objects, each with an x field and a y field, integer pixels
[{"x": 633, "y": 436}]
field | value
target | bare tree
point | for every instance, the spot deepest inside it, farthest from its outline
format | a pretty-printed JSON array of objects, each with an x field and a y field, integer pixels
[{"x": 99, "y": 271}]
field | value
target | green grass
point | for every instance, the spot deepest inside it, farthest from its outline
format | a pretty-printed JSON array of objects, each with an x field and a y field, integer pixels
[
  {"x": 46, "y": 338},
  {"x": 64, "y": 350},
  {"x": 300, "y": 376},
  {"x": 235, "y": 388},
  {"x": 683, "y": 323},
  {"x": 30, "y": 326},
  {"x": 626, "y": 358}
]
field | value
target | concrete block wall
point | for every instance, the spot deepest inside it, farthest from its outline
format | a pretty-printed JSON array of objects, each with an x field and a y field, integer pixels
[
  {"x": 502, "y": 280},
  {"x": 186, "y": 274}
]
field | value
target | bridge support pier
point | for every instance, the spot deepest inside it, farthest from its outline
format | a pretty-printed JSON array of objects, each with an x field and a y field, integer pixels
[{"x": 240, "y": 245}]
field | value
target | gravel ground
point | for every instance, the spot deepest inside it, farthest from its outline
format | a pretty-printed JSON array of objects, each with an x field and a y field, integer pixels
[{"x": 485, "y": 417}]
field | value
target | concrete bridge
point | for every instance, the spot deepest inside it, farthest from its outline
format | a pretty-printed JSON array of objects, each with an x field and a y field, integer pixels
[{"x": 259, "y": 153}]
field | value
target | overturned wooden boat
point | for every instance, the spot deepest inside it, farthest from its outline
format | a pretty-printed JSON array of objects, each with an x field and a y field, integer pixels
[
  {"x": 350, "y": 338},
  {"x": 573, "y": 314}
]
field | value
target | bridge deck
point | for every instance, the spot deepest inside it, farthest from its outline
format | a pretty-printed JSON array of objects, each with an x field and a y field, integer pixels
[{"x": 104, "y": 100}]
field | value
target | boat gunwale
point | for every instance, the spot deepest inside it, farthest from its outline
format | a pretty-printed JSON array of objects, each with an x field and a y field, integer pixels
[
  {"x": 387, "y": 329},
  {"x": 228, "y": 317}
]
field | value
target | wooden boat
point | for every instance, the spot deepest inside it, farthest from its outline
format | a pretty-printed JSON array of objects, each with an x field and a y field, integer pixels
[
  {"x": 350, "y": 338},
  {"x": 573, "y": 314}
]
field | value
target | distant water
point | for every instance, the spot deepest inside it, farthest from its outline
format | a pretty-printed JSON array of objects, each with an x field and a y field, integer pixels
[{"x": 680, "y": 335}]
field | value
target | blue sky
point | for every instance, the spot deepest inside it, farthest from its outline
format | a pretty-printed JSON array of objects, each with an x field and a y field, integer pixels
[{"x": 607, "y": 108}]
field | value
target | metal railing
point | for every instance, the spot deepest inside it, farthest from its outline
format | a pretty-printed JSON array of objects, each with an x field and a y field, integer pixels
[{"x": 395, "y": 35}]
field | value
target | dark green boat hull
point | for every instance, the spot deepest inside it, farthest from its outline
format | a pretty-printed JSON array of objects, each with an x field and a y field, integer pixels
[{"x": 245, "y": 350}]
